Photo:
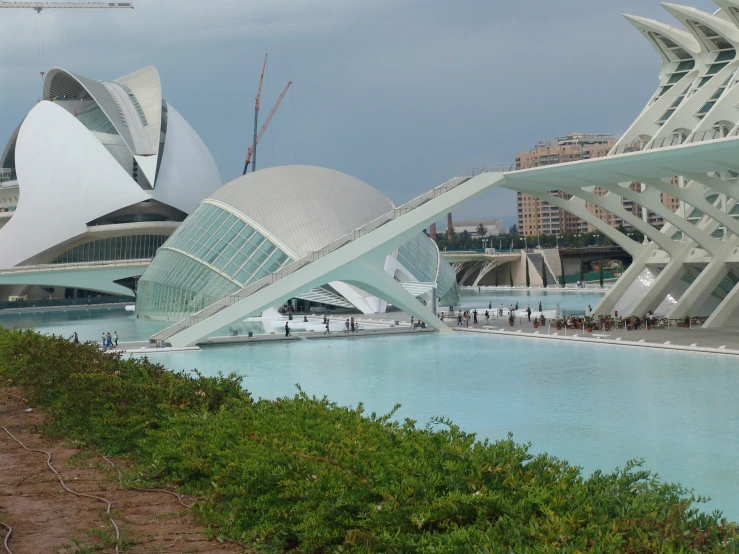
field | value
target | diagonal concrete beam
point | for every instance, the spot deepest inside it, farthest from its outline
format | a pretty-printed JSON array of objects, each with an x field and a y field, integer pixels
[
  {"x": 714, "y": 183},
  {"x": 652, "y": 201},
  {"x": 614, "y": 204},
  {"x": 577, "y": 208},
  {"x": 704, "y": 285},
  {"x": 724, "y": 311},
  {"x": 695, "y": 197},
  {"x": 610, "y": 300},
  {"x": 672, "y": 272}
]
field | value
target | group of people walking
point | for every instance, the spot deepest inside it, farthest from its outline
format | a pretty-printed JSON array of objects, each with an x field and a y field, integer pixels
[
  {"x": 108, "y": 341},
  {"x": 351, "y": 326}
]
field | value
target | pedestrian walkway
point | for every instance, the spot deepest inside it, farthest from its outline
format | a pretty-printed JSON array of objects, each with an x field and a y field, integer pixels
[{"x": 723, "y": 341}]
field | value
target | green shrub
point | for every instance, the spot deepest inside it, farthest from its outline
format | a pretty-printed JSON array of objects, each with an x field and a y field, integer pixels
[{"x": 304, "y": 475}]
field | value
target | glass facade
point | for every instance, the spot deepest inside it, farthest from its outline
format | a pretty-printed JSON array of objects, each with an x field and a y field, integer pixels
[
  {"x": 175, "y": 286},
  {"x": 96, "y": 121},
  {"x": 214, "y": 254},
  {"x": 134, "y": 247},
  {"x": 421, "y": 257},
  {"x": 447, "y": 290}
]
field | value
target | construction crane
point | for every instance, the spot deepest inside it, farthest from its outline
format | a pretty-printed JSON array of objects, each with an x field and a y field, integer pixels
[
  {"x": 38, "y": 6},
  {"x": 250, "y": 155},
  {"x": 256, "y": 117}
]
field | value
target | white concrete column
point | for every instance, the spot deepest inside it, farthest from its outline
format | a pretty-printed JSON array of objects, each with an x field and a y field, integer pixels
[
  {"x": 725, "y": 310},
  {"x": 672, "y": 272},
  {"x": 375, "y": 280},
  {"x": 469, "y": 271},
  {"x": 695, "y": 195},
  {"x": 614, "y": 204},
  {"x": 715, "y": 183},
  {"x": 609, "y": 301},
  {"x": 576, "y": 206},
  {"x": 704, "y": 285},
  {"x": 652, "y": 201},
  {"x": 487, "y": 268}
]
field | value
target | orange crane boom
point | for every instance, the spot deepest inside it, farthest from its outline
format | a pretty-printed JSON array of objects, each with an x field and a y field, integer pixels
[
  {"x": 256, "y": 112},
  {"x": 258, "y": 136}
]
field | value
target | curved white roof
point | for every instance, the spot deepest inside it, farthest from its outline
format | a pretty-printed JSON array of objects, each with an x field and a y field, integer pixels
[{"x": 305, "y": 207}]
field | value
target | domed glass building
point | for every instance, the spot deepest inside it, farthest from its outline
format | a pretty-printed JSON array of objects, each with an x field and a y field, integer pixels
[{"x": 258, "y": 223}]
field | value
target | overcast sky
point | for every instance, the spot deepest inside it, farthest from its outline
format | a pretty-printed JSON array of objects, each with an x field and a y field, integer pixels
[{"x": 400, "y": 93}]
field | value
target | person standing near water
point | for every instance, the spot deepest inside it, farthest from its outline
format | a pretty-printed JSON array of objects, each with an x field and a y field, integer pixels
[
  {"x": 528, "y": 312},
  {"x": 540, "y": 306},
  {"x": 474, "y": 313},
  {"x": 287, "y": 329},
  {"x": 326, "y": 332},
  {"x": 115, "y": 338}
]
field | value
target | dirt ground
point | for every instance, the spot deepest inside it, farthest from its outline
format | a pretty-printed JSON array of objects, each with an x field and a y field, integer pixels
[{"x": 47, "y": 519}]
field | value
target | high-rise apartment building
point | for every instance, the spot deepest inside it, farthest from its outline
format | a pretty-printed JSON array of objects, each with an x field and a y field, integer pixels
[{"x": 536, "y": 216}]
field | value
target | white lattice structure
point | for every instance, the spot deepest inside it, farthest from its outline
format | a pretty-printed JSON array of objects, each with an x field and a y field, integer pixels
[{"x": 689, "y": 128}]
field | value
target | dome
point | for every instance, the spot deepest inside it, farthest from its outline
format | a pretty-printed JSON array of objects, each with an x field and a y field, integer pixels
[
  {"x": 304, "y": 207},
  {"x": 259, "y": 223}
]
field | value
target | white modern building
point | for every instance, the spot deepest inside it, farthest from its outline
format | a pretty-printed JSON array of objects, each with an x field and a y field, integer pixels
[
  {"x": 492, "y": 227},
  {"x": 97, "y": 176},
  {"x": 689, "y": 129},
  {"x": 262, "y": 222}
]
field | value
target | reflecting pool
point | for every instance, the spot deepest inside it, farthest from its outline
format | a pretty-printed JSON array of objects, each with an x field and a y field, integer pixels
[
  {"x": 594, "y": 405},
  {"x": 570, "y": 301}
]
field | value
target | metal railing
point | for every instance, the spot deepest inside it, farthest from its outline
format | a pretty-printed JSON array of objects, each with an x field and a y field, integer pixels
[
  {"x": 56, "y": 302},
  {"x": 626, "y": 148},
  {"x": 67, "y": 267},
  {"x": 710, "y": 134},
  {"x": 672, "y": 140},
  {"x": 160, "y": 337}
]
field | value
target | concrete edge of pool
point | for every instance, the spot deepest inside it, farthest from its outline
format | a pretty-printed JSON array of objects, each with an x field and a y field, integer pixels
[{"x": 724, "y": 350}]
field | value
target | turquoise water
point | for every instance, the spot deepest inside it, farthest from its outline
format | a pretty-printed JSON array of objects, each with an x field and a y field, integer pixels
[
  {"x": 573, "y": 302},
  {"x": 89, "y": 324},
  {"x": 594, "y": 405}
]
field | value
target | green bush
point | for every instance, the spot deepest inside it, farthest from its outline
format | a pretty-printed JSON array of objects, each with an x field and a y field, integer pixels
[{"x": 304, "y": 475}]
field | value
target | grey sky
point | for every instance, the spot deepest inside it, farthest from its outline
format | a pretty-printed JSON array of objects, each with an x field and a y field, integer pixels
[{"x": 400, "y": 93}]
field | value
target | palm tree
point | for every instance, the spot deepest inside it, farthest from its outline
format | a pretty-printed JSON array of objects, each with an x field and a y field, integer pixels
[{"x": 481, "y": 230}]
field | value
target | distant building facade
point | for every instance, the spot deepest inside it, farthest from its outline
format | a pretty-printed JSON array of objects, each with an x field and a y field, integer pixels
[
  {"x": 536, "y": 216},
  {"x": 493, "y": 227}
]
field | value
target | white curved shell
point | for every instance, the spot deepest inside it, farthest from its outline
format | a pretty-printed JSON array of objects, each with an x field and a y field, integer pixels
[
  {"x": 67, "y": 179},
  {"x": 305, "y": 207},
  {"x": 188, "y": 173}
]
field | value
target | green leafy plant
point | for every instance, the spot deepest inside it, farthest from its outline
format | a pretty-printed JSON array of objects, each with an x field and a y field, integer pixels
[
  {"x": 542, "y": 320},
  {"x": 302, "y": 474}
]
